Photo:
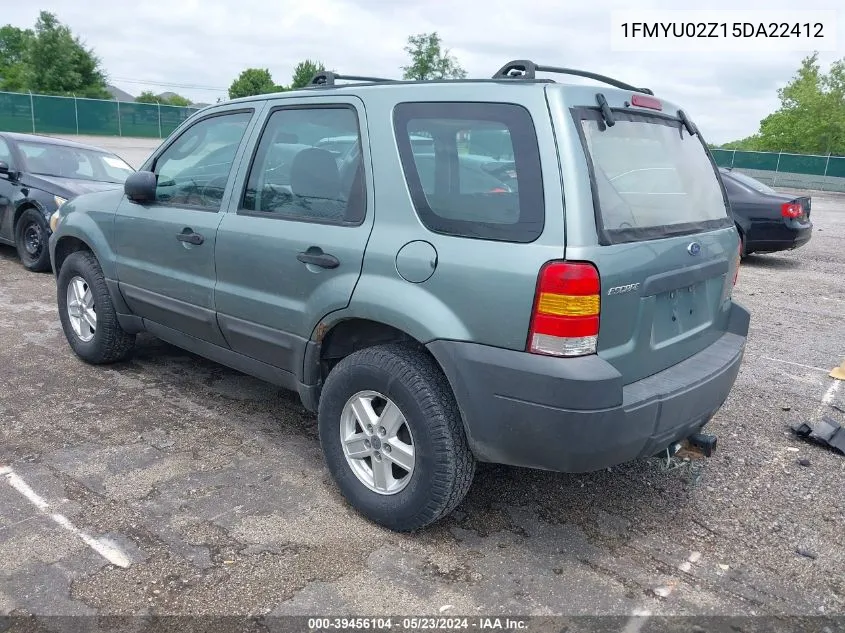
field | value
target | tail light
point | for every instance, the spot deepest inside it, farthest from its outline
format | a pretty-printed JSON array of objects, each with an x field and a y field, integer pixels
[
  {"x": 565, "y": 320},
  {"x": 791, "y": 209}
]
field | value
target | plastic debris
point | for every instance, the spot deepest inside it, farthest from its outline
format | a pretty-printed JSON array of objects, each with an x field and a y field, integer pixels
[{"x": 826, "y": 432}]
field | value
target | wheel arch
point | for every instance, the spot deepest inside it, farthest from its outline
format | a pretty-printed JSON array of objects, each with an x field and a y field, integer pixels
[
  {"x": 334, "y": 339},
  {"x": 81, "y": 230},
  {"x": 26, "y": 204},
  {"x": 65, "y": 247},
  {"x": 351, "y": 334}
]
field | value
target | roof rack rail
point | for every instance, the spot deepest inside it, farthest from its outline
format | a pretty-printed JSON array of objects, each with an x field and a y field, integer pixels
[
  {"x": 526, "y": 69},
  {"x": 327, "y": 78}
]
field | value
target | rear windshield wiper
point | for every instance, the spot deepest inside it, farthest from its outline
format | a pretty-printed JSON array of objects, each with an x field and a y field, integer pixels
[
  {"x": 606, "y": 113},
  {"x": 687, "y": 123}
]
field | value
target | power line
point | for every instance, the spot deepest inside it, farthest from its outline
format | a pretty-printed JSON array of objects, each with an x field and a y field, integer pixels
[{"x": 168, "y": 84}]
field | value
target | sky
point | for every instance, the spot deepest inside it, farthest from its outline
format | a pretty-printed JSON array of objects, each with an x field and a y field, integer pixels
[{"x": 197, "y": 47}]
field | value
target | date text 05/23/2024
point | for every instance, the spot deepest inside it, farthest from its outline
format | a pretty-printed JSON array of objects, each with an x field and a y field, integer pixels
[{"x": 316, "y": 625}]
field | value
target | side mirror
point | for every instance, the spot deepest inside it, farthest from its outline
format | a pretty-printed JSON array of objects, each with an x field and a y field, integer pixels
[
  {"x": 4, "y": 169},
  {"x": 140, "y": 187}
]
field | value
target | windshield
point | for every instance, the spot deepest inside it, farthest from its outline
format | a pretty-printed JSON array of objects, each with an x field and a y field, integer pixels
[
  {"x": 652, "y": 178},
  {"x": 748, "y": 181},
  {"x": 65, "y": 161}
]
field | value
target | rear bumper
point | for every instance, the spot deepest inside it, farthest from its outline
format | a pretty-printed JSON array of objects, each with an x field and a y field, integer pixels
[
  {"x": 802, "y": 236},
  {"x": 787, "y": 238},
  {"x": 575, "y": 415}
]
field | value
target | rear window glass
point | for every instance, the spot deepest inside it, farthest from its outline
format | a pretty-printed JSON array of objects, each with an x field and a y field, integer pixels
[
  {"x": 473, "y": 169},
  {"x": 750, "y": 182},
  {"x": 651, "y": 178}
]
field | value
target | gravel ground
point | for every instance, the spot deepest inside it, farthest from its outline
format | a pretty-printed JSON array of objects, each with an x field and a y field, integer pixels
[{"x": 212, "y": 487}]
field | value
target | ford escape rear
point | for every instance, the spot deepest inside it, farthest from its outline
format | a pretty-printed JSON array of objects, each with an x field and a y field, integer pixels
[{"x": 512, "y": 270}]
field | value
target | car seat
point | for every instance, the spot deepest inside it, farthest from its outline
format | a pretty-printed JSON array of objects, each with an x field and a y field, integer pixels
[{"x": 315, "y": 182}]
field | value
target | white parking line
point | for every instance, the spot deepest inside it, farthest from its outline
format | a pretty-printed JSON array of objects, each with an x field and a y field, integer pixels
[
  {"x": 103, "y": 547},
  {"x": 789, "y": 362},
  {"x": 830, "y": 394}
]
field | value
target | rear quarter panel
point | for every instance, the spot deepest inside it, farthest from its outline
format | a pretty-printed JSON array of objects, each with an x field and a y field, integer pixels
[{"x": 481, "y": 290}]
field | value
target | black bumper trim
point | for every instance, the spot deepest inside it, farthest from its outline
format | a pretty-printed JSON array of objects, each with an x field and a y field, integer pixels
[{"x": 575, "y": 415}]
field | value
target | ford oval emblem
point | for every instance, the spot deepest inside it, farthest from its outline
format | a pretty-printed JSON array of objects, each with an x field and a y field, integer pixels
[{"x": 694, "y": 248}]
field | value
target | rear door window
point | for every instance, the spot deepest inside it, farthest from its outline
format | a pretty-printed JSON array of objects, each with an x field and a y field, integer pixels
[
  {"x": 472, "y": 169},
  {"x": 651, "y": 178},
  {"x": 305, "y": 168}
]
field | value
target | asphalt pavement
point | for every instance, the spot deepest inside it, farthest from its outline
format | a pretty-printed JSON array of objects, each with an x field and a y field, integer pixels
[{"x": 172, "y": 485}]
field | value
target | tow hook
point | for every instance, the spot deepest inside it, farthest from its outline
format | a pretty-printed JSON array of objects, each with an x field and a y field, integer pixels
[{"x": 699, "y": 445}]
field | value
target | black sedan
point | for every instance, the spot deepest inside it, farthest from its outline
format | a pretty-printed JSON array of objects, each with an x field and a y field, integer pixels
[
  {"x": 767, "y": 220},
  {"x": 37, "y": 175}
]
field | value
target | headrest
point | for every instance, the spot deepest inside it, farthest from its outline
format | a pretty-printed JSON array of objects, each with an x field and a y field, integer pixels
[{"x": 314, "y": 174}]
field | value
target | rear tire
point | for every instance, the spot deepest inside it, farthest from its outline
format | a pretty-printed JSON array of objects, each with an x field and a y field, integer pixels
[
  {"x": 429, "y": 484},
  {"x": 31, "y": 240},
  {"x": 87, "y": 313}
]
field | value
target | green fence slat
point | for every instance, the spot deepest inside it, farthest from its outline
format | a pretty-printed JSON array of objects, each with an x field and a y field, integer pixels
[
  {"x": 798, "y": 164},
  {"x": 756, "y": 160},
  {"x": 97, "y": 117},
  {"x": 54, "y": 115},
  {"x": 172, "y": 117},
  {"x": 15, "y": 112},
  {"x": 836, "y": 167},
  {"x": 722, "y": 157},
  {"x": 139, "y": 119}
]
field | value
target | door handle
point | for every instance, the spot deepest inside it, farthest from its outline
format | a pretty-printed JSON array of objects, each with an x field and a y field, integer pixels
[
  {"x": 316, "y": 257},
  {"x": 190, "y": 237}
]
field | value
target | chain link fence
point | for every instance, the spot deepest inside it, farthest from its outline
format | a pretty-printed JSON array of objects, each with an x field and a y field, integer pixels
[
  {"x": 41, "y": 114},
  {"x": 778, "y": 169}
]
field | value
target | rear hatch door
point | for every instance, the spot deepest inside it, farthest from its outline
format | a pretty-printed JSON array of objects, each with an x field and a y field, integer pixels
[{"x": 668, "y": 250}]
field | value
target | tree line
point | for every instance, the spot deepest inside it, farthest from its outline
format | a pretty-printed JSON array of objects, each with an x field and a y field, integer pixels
[
  {"x": 427, "y": 60},
  {"x": 49, "y": 59},
  {"x": 811, "y": 116}
]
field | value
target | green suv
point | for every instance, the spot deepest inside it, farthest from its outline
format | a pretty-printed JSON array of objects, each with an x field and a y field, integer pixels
[{"x": 508, "y": 270}]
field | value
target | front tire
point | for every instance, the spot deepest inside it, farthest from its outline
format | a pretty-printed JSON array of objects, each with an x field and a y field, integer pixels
[
  {"x": 31, "y": 240},
  {"x": 393, "y": 438},
  {"x": 87, "y": 313}
]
